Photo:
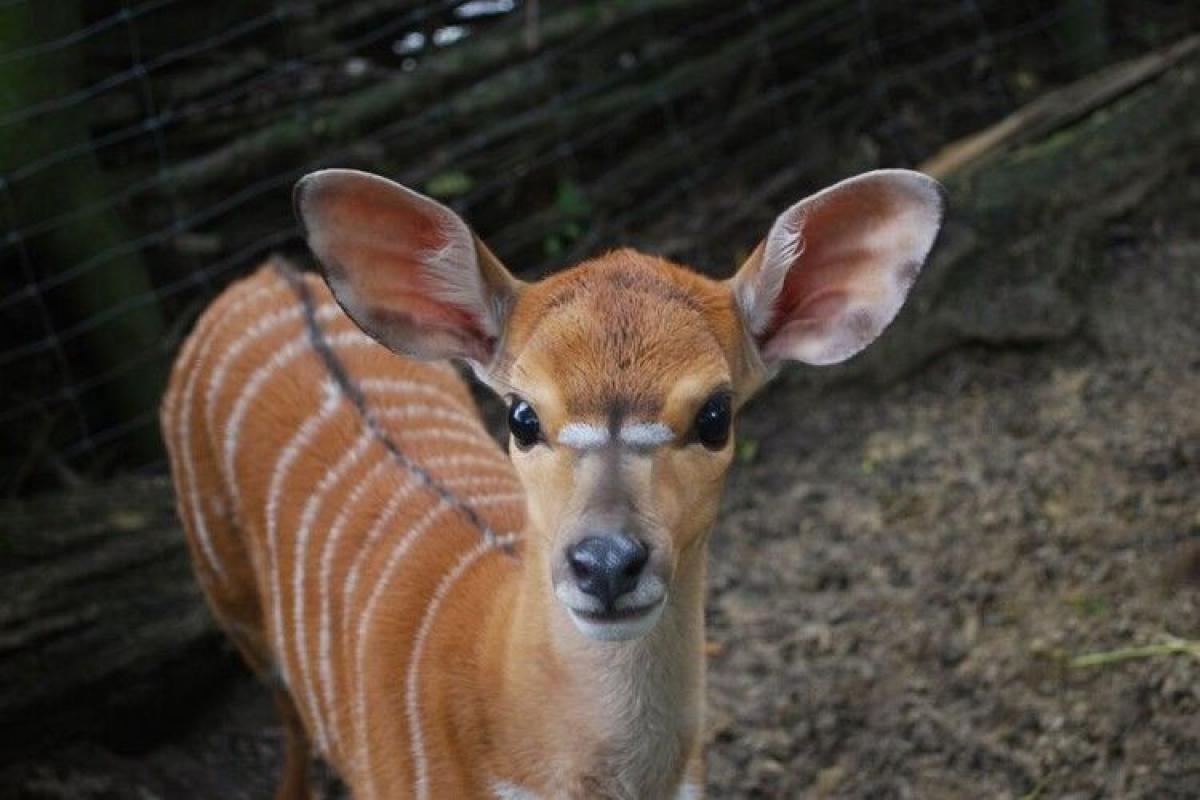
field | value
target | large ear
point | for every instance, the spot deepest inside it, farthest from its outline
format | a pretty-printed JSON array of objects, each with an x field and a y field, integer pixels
[
  {"x": 407, "y": 269},
  {"x": 835, "y": 268}
]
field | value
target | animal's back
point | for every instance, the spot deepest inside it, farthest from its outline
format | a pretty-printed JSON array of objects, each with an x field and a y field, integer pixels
[{"x": 328, "y": 486}]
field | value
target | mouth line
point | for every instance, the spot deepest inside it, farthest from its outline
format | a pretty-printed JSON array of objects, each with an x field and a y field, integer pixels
[
  {"x": 618, "y": 625},
  {"x": 616, "y": 615}
]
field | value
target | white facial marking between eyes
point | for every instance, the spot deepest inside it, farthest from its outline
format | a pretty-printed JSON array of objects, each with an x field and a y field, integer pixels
[
  {"x": 645, "y": 434},
  {"x": 583, "y": 435},
  {"x": 589, "y": 436}
]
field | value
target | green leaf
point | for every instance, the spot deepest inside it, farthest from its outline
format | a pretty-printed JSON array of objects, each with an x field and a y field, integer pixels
[
  {"x": 747, "y": 449},
  {"x": 449, "y": 184},
  {"x": 571, "y": 202}
]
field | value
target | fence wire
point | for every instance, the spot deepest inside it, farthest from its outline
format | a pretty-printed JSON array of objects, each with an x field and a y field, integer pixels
[{"x": 148, "y": 149}]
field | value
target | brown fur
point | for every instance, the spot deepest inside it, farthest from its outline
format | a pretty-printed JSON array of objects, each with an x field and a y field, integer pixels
[
  {"x": 374, "y": 554},
  {"x": 506, "y": 691},
  {"x": 242, "y": 599},
  {"x": 428, "y": 652}
]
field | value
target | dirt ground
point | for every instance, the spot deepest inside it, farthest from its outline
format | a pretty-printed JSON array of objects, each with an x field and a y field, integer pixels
[{"x": 901, "y": 578}]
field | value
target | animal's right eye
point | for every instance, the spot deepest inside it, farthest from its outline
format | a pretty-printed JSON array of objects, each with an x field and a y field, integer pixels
[
  {"x": 523, "y": 424},
  {"x": 713, "y": 421}
]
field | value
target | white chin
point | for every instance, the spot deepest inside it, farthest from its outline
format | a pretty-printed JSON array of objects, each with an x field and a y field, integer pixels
[{"x": 618, "y": 630}]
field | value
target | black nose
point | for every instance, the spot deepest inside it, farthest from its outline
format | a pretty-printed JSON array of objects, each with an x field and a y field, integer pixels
[{"x": 607, "y": 567}]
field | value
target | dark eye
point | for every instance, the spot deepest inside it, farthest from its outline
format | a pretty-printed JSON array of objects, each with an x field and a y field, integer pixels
[
  {"x": 523, "y": 423},
  {"x": 712, "y": 422}
]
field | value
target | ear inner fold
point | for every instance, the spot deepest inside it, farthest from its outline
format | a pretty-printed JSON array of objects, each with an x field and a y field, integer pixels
[
  {"x": 404, "y": 267},
  {"x": 835, "y": 268}
]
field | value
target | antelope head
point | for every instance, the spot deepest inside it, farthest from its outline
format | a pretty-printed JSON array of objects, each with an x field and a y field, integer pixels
[{"x": 623, "y": 374}]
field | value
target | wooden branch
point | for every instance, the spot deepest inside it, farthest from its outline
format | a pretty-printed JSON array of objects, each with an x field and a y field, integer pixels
[
  {"x": 1058, "y": 108},
  {"x": 656, "y": 160},
  {"x": 499, "y": 57},
  {"x": 1026, "y": 220}
]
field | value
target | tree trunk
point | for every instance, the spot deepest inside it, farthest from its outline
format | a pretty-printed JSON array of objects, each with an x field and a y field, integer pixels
[{"x": 111, "y": 276}]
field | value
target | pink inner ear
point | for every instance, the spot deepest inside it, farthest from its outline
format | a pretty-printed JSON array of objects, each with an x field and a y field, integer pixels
[
  {"x": 811, "y": 306},
  {"x": 798, "y": 317},
  {"x": 403, "y": 266},
  {"x": 861, "y": 246},
  {"x": 394, "y": 293}
]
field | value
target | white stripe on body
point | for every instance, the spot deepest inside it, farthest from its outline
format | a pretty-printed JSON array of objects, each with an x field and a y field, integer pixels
[
  {"x": 331, "y": 401},
  {"x": 325, "y": 577},
  {"x": 362, "y": 553},
  {"x": 399, "y": 550},
  {"x": 262, "y": 372},
  {"x": 261, "y": 327},
  {"x": 412, "y": 690},
  {"x": 444, "y": 414},
  {"x": 360, "y": 690},
  {"x": 383, "y": 522},
  {"x": 188, "y": 476},
  {"x": 400, "y": 385},
  {"x": 471, "y": 435},
  {"x": 466, "y": 438},
  {"x": 470, "y": 482},
  {"x": 495, "y": 460},
  {"x": 392, "y": 386},
  {"x": 308, "y": 516},
  {"x": 451, "y": 461},
  {"x": 278, "y": 360}
]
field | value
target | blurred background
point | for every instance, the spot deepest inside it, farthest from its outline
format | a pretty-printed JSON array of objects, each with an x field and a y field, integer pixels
[{"x": 920, "y": 551}]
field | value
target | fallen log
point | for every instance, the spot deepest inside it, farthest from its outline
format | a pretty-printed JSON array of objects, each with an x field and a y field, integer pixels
[
  {"x": 1028, "y": 214},
  {"x": 1056, "y": 109},
  {"x": 103, "y": 630}
]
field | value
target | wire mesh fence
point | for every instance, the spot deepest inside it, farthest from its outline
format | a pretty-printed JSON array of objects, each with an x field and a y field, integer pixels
[{"x": 148, "y": 149}]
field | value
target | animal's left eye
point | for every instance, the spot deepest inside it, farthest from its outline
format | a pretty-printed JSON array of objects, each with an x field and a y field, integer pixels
[
  {"x": 523, "y": 424},
  {"x": 713, "y": 421}
]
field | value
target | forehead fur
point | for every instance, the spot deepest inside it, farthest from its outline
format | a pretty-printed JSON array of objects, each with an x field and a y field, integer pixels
[{"x": 617, "y": 332}]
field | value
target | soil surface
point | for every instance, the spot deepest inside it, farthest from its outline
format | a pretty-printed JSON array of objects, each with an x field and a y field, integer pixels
[{"x": 902, "y": 577}]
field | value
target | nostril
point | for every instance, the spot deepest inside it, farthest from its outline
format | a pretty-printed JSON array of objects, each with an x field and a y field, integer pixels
[
  {"x": 582, "y": 563},
  {"x": 636, "y": 559},
  {"x": 632, "y": 560}
]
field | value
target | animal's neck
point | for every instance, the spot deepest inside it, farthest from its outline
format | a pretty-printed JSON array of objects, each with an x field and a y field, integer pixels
[{"x": 600, "y": 719}]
